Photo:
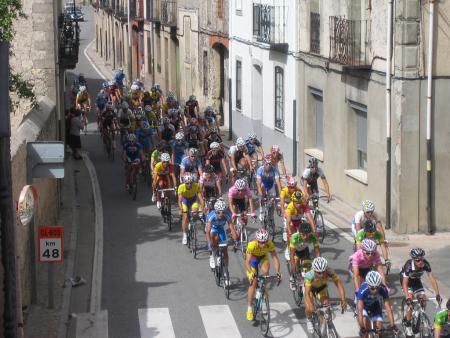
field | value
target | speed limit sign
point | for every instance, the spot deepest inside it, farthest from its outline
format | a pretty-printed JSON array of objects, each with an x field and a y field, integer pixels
[{"x": 51, "y": 243}]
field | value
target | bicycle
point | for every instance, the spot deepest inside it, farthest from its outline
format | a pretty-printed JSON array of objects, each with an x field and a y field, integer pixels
[
  {"x": 420, "y": 323},
  {"x": 133, "y": 179},
  {"x": 219, "y": 270},
  {"x": 318, "y": 217},
  {"x": 373, "y": 332},
  {"x": 268, "y": 221},
  {"x": 84, "y": 117},
  {"x": 108, "y": 140},
  {"x": 303, "y": 267},
  {"x": 192, "y": 233},
  {"x": 261, "y": 304},
  {"x": 323, "y": 320},
  {"x": 241, "y": 229},
  {"x": 166, "y": 207}
]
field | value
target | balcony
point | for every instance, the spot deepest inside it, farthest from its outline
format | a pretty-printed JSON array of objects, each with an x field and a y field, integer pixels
[
  {"x": 121, "y": 13},
  {"x": 169, "y": 13},
  {"x": 269, "y": 26},
  {"x": 349, "y": 44},
  {"x": 154, "y": 11}
]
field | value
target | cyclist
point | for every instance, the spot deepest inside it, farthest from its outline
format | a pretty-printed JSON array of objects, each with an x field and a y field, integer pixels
[
  {"x": 135, "y": 96},
  {"x": 267, "y": 177},
  {"x": 191, "y": 164},
  {"x": 133, "y": 156},
  {"x": 238, "y": 195},
  {"x": 212, "y": 136},
  {"x": 146, "y": 137},
  {"x": 299, "y": 249},
  {"x": 179, "y": 151},
  {"x": 285, "y": 198},
  {"x": 189, "y": 196},
  {"x": 167, "y": 130},
  {"x": 156, "y": 155},
  {"x": 295, "y": 211},
  {"x": 254, "y": 147},
  {"x": 367, "y": 212},
  {"x": 310, "y": 177},
  {"x": 192, "y": 109},
  {"x": 239, "y": 157},
  {"x": 316, "y": 287},
  {"x": 175, "y": 118},
  {"x": 278, "y": 159},
  {"x": 163, "y": 170},
  {"x": 410, "y": 280},
  {"x": 215, "y": 233},
  {"x": 442, "y": 322},
  {"x": 109, "y": 124},
  {"x": 371, "y": 295},
  {"x": 212, "y": 119},
  {"x": 113, "y": 91},
  {"x": 216, "y": 157},
  {"x": 370, "y": 231},
  {"x": 364, "y": 260},
  {"x": 257, "y": 263},
  {"x": 83, "y": 100},
  {"x": 82, "y": 80},
  {"x": 151, "y": 117},
  {"x": 210, "y": 183},
  {"x": 120, "y": 78},
  {"x": 194, "y": 134},
  {"x": 100, "y": 101},
  {"x": 156, "y": 94}
]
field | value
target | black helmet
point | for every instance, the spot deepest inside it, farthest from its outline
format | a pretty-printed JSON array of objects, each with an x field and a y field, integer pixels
[
  {"x": 369, "y": 226},
  {"x": 448, "y": 304},
  {"x": 208, "y": 169},
  {"x": 313, "y": 163},
  {"x": 417, "y": 253},
  {"x": 305, "y": 228}
]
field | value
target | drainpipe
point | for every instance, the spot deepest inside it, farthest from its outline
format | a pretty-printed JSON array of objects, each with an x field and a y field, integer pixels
[
  {"x": 430, "y": 202},
  {"x": 130, "y": 56},
  {"x": 388, "y": 113}
]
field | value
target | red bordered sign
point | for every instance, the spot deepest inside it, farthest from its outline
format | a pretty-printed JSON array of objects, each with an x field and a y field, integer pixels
[{"x": 51, "y": 244}]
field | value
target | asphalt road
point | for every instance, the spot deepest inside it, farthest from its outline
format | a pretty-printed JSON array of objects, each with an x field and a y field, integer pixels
[{"x": 152, "y": 286}]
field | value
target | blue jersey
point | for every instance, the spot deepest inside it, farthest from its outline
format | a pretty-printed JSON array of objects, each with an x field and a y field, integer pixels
[
  {"x": 217, "y": 222},
  {"x": 372, "y": 301},
  {"x": 267, "y": 178},
  {"x": 132, "y": 150},
  {"x": 101, "y": 101},
  {"x": 178, "y": 151},
  {"x": 252, "y": 147},
  {"x": 119, "y": 77},
  {"x": 190, "y": 166},
  {"x": 145, "y": 138}
]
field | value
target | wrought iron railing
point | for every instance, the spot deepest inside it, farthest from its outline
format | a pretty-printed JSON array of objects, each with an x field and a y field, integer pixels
[
  {"x": 169, "y": 13},
  {"x": 314, "y": 42},
  {"x": 349, "y": 41},
  {"x": 269, "y": 23},
  {"x": 155, "y": 10}
]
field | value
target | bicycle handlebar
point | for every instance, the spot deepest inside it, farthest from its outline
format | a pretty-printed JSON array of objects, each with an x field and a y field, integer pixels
[{"x": 170, "y": 189}]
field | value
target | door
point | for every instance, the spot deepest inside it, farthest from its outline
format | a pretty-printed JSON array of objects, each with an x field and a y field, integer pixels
[{"x": 257, "y": 93}]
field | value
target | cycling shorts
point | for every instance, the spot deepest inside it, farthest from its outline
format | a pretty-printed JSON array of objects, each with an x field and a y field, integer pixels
[
  {"x": 220, "y": 231},
  {"x": 240, "y": 204},
  {"x": 191, "y": 203},
  {"x": 375, "y": 313},
  {"x": 255, "y": 261},
  {"x": 163, "y": 182},
  {"x": 320, "y": 293},
  {"x": 415, "y": 286}
]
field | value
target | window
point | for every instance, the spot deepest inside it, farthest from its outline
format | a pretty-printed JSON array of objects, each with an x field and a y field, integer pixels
[
  {"x": 361, "y": 135},
  {"x": 158, "y": 53},
  {"x": 318, "y": 114},
  {"x": 220, "y": 9},
  {"x": 205, "y": 73},
  {"x": 239, "y": 7},
  {"x": 315, "y": 33},
  {"x": 279, "y": 98},
  {"x": 238, "y": 85}
]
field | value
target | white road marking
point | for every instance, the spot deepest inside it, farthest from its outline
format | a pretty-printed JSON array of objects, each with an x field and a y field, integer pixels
[
  {"x": 219, "y": 322},
  {"x": 91, "y": 62},
  {"x": 92, "y": 325},
  {"x": 341, "y": 232},
  {"x": 155, "y": 322},
  {"x": 345, "y": 324},
  {"x": 283, "y": 322}
]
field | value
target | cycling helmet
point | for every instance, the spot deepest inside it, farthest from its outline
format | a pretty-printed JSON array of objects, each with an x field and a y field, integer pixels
[
  {"x": 109, "y": 105},
  {"x": 319, "y": 264},
  {"x": 81, "y": 76},
  {"x": 297, "y": 196},
  {"x": 214, "y": 145},
  {"x": 120, "y": 70},
  {"x": 145, "y": 125},
  {"x": 208, "y": 169},
  {"x": 275, "y": 149},
  {"x": 125, "y": 105},
  {"x": 240, "y": 184},
  {"x": 160, "y": 146},
  {"x": 189, "y": 178},
  {"x": 417, "y": 253},
  {"x": 105, "y": 84},
  {"x": 134, "y": 87},
  {"x": 192, "y": 98},
  {"x": 220, "y": 205},
  {"x": 165, "y": 157},
  {"x": 111, "y": 83},
  {"x": 373, "y": 279},
  {"x": 179, "y": 136},
  {"x": 262, "y": 235},
  {"x": 268, "y": 159},
  {"x": 367, "y": 206},
  {"x": 291, "y": 182},
  {"x": 252, "y": 136},
  {"x": 368, "y": 245},
  {"x": 148, "y": 108},
  {"x": 209, "y": 109},
  {"x": 139, "y": 116},
  {"x": 305, "y": 228},
  {"x": 369, "y": 226},
  {"x": 166, "y": 120},
  {"x": 313, "y": 163},
  {"x": 240, "y": 141},
  {"x": 131, "y": 137},
  {"x": 193, "y": 151},
  {"x": 82, "y": 88}
]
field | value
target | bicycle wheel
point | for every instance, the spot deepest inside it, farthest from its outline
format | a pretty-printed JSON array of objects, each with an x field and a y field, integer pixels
[
  {"x": 298, "y": 294},
  {"x": 189, "y": 235},
  {"x": 271, "y": 229},
  {"x": 244, "y": 240},
  {"x": 320, "y": 225},
  {"x": 194, "y": 240},
  {"x": 218, "y": 272},
  {"x": 330, "y": 330},
  {"x": 426, "y": 329},
  {"x": 225, "y": 280},
  {"x": 264, "y": 314},
  {"x": 169, "y": 216}
]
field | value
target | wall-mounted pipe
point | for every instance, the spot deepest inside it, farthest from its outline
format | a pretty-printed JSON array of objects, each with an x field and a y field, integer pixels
[{"x": 388, "y": 112}]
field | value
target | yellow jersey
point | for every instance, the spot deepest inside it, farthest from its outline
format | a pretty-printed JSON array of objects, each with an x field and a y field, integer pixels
[
  {"x": 319, "y": 283},
  {"x": 296, "y": 213},
  {"x": 255, "y": 250},
  {"x": 188, "y": 193},
  {"x": 286, "y": 194}
]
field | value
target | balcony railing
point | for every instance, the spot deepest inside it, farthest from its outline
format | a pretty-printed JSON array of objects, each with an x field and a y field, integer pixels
[
  {"x": 121, "y": 12},
  {"x": 169, "y": 13},
  {"x": 269, "y": 25},
  {"x": 314, "y": 42},
  {"x": 155, "y": 10},
  {"x": 349, "y": 42}
]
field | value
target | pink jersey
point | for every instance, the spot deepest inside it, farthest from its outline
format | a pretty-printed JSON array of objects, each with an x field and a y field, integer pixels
[
  {"x": 233, "y": 193},
  {"x": 360, "y": 261}
]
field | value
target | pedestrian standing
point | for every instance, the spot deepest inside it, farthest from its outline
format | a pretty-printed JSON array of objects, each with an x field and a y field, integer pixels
[{"x": 76, "y": 125}]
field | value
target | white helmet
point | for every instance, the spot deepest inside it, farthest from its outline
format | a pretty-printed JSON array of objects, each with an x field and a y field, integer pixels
[
  {"x": 262, "y": 235},
  {"x": 240, "y": 184},
  {"x": 134, "y": 87},
  {"x": 193, "y": 151},
  {"x": 373, "y": 279},
  {"x": 179, "y": 136},
  {"x": 368, "y": 245},
  {"x": 188, "y": 178},
  {"x": 165, "y": 157},
  {"x": 252, "y": 136},
  {"x": 367, "y": 206},
  {"x": 82, "y": 88},
  {"x": 240, "y": 141},
  {"x": 131, "y": 137},
  {"x": 220, "y": 205},
  {"x": 319, "y": 264},
  {"x": 214, "y": 145}
]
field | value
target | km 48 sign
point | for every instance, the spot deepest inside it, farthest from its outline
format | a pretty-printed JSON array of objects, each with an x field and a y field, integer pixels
[{"x": 51, "y": 242}]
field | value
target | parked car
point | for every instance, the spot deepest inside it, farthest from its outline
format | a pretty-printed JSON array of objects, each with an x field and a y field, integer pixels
[{"x": 74, "y": 15}]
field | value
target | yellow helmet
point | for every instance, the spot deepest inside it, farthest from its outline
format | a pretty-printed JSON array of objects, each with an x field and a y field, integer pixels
[{"x": 297, "y": 196}]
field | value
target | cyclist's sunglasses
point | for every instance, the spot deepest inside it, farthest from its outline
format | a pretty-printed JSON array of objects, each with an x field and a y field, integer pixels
[
  {"x": 262, "y": 242},
  {"x": 418, "y": 259},
  {"x": 220, "y": 212},
  {"x": 368, "y": 253},
  {"x": 373, "y": 288}
]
